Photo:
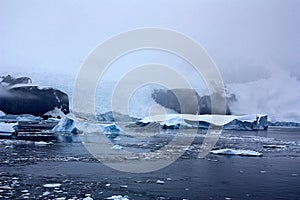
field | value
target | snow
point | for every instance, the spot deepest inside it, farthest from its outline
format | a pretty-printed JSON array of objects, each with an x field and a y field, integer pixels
[
  {"x": 118, "y": 197},
  {"x": 7, "y": 127},
  {"x": 52, "y": 185},
  {"x": 243, "y": 122},
  {"x": 239, "y": 152}
]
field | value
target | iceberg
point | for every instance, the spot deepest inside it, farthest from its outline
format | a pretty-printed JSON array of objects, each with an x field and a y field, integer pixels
[
  {"x": 229, "y": 122},
  {"x": 66, "y": 125},
  {"x": 238, "y": 152}
]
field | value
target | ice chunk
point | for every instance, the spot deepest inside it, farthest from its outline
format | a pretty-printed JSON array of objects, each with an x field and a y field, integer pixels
[
  {"x": 8, "y": 127},
  {"x": 87, "y": 198},
  {"x": 46, "y": 193},
  {"x": 118, "y": 197},
  {"x": 117, "y": 147},
  {"x": 52, "y": 185},
  {"x": 41, "y": 143},
  {"x": 110, "y": 128},
  {"x": 274, "y": 146},
  {"x": 239, "y": 152},
  {"x": 66, "y": 125},
  {"x": 160, "y": 182}
]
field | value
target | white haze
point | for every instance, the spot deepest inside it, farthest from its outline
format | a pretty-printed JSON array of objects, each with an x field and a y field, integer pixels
[{"x": 255, "y": 44}]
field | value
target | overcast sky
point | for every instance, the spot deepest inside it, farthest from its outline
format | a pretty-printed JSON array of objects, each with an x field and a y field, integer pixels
[{"x": 246, "y": 38}]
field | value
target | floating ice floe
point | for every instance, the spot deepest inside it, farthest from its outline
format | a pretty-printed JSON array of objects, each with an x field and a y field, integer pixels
[
  {"x": 111, "y": 128},
  {"x": 160, "y": 182},
  {"x": 52, "y": 185},
  {"x": 117, "y": 147},
  {"x": 118, "y": 197},
  {"x": 274, "y": 146},
  {"x": 238, "y": 152},
  {"x": 42, "y": 143},
  {"x": 230, "y": 122},
  {"x": 8, "y": 127},
  {"x": 46, "y": 193}
]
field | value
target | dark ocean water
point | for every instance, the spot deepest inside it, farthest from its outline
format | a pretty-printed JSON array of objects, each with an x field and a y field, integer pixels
[{"x": 275, "y": 175}]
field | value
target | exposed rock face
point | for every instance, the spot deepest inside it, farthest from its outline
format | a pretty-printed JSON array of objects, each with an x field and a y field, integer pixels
[
  {"x": 9, "y": 80},
  {"x": 191, "y": 102},
  {"x": 30, "y": 99}
]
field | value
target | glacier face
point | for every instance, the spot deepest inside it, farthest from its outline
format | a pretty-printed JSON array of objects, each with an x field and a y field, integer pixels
[{"x": 229, "y": 122}]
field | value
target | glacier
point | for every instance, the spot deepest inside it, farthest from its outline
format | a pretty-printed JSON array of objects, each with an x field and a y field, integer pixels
[{"x": 228, "y": 122}]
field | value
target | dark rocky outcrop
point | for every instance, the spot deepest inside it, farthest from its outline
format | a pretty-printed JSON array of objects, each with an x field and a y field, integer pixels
[
  {"x": 30, "y": 99},
  {"x": 9, "y": 80},
  {"x": 191, "y": 102}
]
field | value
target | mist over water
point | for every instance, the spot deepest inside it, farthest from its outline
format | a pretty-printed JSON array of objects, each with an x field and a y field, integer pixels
[{"x": 277, "y": 96}]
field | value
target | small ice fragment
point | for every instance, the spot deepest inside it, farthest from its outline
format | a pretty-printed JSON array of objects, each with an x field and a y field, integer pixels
[
  {"x": 160, "y": 182},
  {"x": 123, "y": 186},
  {"x": 239, "y": 152},
  {"x": 52, "y": 185},
  {"x": 24, "y": 191},
  {"x": 227, "y": 198},
  {"x": 60, "y": 198},
  {"x": 107, "y": 185},
  {"x": 87, "y": 198},
  {"x": 169, "y": 179},
  {"x": 241, "y": 171},
  {"x": 263, "y": 171},
  {"x": 118, "y": 197},
  {"x": 294, "y": 175},
  {"x": 273, "y": 146},
  {"x": 117, "y": 147},
  {"x": 46, "y": 193},
  {"x": 6, "y": 187},
  {"x": 41, "y": 143}
]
